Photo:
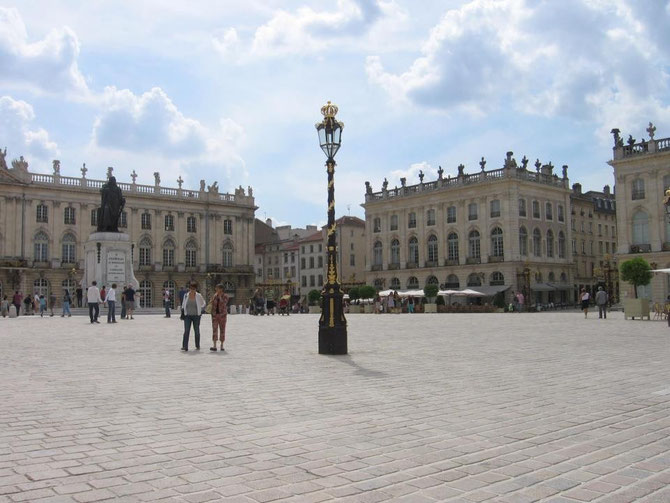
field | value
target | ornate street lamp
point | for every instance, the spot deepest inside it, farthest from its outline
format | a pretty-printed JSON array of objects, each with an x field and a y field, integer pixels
[{"x": 332, "y": 324}]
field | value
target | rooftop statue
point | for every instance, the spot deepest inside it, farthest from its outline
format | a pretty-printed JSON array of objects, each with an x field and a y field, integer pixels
[{"x": 111, "y": 206}]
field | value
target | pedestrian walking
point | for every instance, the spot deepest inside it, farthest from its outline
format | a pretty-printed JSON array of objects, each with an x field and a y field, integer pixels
[
  {"x": 66, "y": 304},
  {"x": 16, "y": 300},
  {"x": 103, "y": 293},
  {"x": 130, "y": 302},
  {"x": 410, "y": 305},
  {"x": 191, "y": 308},
  {"x": 601, "y": 302},
  {"x": 28, "y": 305},
  {"x": 43, "y": 305},
  {"x": 111, "y": 304},
  {"x": 182, "y": 292},
  {"x": 93, "y": 299},
  {"x": 4, "y": 307},
  {"x": 80, "y": 294},
  {"x": 219, "y": 316},
  {"x": 52, "y": 303},
  {"x": 123, "y": 303},
  {"x": 585, "y": 297},
  {"x": 166, "y": 302}
]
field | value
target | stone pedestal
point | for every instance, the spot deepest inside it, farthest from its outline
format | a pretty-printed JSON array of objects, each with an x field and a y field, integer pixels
[
  {"x": 12, "y": 311},
  {"x": 107, "y": 260}
]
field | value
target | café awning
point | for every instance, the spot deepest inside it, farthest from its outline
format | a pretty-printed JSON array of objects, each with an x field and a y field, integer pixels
[{"x": 542, "y": 287}]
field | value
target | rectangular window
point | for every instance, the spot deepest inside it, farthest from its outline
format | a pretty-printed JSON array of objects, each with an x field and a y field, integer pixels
[
  {"x": 574, "y": 246},
  {"x": 320, "y": 279},
  {"x": 600, "y": 247},
  {"x": 472, "y": 211},
  {"x": 68, "y": 216},
  {"x": 451, "y": 214},
  {"x": 394, "y": 223},
  {"x": 561, "y": 213},
  {"x": 276, "y": 272},
  {"x": 495, "y": 208},
  {"x": 411, "y": 220},
  {"x": 190, "y": 258},
  {"x": 302, "y": 262},
  {"x": 146, "y": 221},
  {"x": 169, "y": 222},
  {"x": 293, "y": 271},
  {"x": 377, "y": 224},
  {"x": 549, "y": 211},
  {"x": 286, "y": 272},
  {"x": 145, "y": 256},
  {"x": 228, "y": 226},
  {"x": 42, "y": 213},
  {"x": 94, "y": 217},
  {"x": 292, "y": 257},
  {"x": 320, "y": 248},
  {"x": 286, "y": 258},
  {"x": 352, "y": 260},
  {"x": 168, "y": 257},
  {"x": 311, "y": 262},
  {"x": 190, "y": 224},
  {"x": 320, "y": 261},
  {"x": 536, "y": 209},
  {"x": 303, "y": 282},
  {"x": 430, "y": 217},
  {"x": 68, "y": 253},
  {"x": 311, "y": 280},
  {"x": 600, "y": 230},
  {"x": 638, "y": 189},
  {"x": 123, "y": 221},
  {"x": 311, "y": 248},
  {"x": 522, "y": 207}
]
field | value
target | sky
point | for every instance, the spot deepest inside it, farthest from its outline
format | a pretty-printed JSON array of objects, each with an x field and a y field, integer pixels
[{"x": 230, "y": 91}]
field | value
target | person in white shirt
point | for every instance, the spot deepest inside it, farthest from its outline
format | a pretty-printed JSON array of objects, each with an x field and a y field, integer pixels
[
  {"x": 111, "y": 304},
  {"x": 94, "y": 301}
]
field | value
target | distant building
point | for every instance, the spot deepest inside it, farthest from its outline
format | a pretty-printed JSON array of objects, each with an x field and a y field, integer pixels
[
  {"x": 178, "y": 235},
  {"x": 497, "y": 230},
  {"x": 642, "y": 173}
]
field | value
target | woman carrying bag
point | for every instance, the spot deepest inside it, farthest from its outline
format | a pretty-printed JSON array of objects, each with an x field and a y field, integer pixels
[{"x": 192, "y": 306}]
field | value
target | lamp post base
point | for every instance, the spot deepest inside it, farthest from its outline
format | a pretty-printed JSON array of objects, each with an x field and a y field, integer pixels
[{"x": 333, "y": 340}]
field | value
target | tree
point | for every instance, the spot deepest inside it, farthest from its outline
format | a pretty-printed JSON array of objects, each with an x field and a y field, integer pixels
[
  {"x": 314, "y": 296},
  {"x": 637, "y": 272},
  {"x": 354, "y": 293},
  {"x": 430, "y": 291},
  {"x": 367, "y": 292}
]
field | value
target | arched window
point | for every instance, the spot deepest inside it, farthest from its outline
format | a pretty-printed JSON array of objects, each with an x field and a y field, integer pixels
[
  {"x": 146, "y": 297},
  {"x": 227, "y": 255},
  {"x": 70, "y": 285},
  {"x": 41, "y": 247},
  {"x": 432, "y": 249},
  {"x": 168, "y": 253},
  {"x": 522, "y": 207},
  {"x": 395, "y": 252},
  {"x": 523, "y": 241},
  {"x": 537, "y": 243},
  {"x": 377, "y": 254},
  {"x": 432, "y": 280},
  {"x": 452, "y": 246},
  {"x": 41, "y": 287},
  {"x": 561, "y": 245},
  {"x": 412, "y": 283},
  {"x": 474, "y": 250},
  {"x": 69, "y": 244},
  {"x": 452, "y": 281},
  {"x": 551, "y": 277},
  {"x": 395, "y": 283},
  {"x": 497, "y": 278},
  {"x": 413, "y": 256},
  {"x": 640, "y": 228},
  {"x": 171, "y": 287},
  {"x": 550, "y": 243},
  {"x": 474, "y": 279},
  {"x": 497, "y": 242},
  {"x": 564, "y": 278},
  {"x": 378, "y": 284},
  {"x": 638, "y": 189},
  {"x": 145, "y": 252},
  {"x": 191, "y": 254}
]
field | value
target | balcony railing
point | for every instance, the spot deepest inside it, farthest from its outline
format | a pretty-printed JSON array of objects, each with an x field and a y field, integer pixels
[
  {"x": 451, "y": 262},
  {"x": 393, "y": 267},
  {"x": 411, "y": 265},
  {"x": 473, "y": 260},
  {"x": 431, "y": 263},
  {"x": 377, "y": 267},
  {"x": 496, "y": 258}
]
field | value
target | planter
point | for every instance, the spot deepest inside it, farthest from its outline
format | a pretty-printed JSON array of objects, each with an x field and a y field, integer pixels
[
  {"x": 636, "y": 308},
  {"x": 314, "y": 309},
  {"x": 368, "y": 308},
  {"x": 430, "y": 308},
  {"x": 354, "y": 309}
]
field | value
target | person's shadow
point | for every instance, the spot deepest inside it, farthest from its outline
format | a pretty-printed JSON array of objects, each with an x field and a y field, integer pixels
[{"x": 362, "y": 371}]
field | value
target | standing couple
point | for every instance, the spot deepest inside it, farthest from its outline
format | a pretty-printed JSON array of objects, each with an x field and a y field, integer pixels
[{"x": 192, "y": 307}]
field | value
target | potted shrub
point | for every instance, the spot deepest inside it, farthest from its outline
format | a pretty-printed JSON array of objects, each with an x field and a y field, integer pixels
[
  {"x": 637, "y": 272},
  {"x": 367, "y": 292},
  {"x": 439, "y": 302},
  {"x": 499, "y": 302},
  {"x": 430, "y": 291},
  {"x": 314, "y": 298},
  {"x": 354, "y": 295}
]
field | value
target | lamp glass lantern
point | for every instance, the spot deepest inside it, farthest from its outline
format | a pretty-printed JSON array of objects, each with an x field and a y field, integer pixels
[{"x": 330, "y": 131}]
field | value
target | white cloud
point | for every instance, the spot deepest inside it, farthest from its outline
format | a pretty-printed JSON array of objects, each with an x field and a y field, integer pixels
[
  {"x": 151, "y": 124},
  {"x": 22, "y": 138},
  {"x": 227, "y": 43},
  {"x": 594, "y": 60},
  {"x": 48, "y": 65},
  {"x": 411, "y": 174}
]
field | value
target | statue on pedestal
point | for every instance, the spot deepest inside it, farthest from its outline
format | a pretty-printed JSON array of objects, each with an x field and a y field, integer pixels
[{"x": 111, "y": 206}]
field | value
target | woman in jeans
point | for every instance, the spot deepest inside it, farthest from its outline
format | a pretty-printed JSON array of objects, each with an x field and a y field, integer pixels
[
  {"x": 66, "y": 304},
  {"x": 192, "y": 306}
]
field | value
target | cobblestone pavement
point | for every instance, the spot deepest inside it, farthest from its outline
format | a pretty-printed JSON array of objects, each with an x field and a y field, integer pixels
[{"x": 489, "y": 407}]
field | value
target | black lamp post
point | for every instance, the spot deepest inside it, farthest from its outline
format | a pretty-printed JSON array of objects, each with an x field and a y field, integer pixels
[{"x": 332, "y": 324}]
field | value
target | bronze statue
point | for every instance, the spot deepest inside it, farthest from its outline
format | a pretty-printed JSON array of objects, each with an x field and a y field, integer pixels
[{"x": 111, "y": 206}]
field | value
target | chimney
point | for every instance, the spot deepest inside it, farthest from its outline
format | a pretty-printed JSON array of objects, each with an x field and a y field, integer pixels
[
  {"x": 577, "y": 188},
  {"x": 606, "y": 190}
]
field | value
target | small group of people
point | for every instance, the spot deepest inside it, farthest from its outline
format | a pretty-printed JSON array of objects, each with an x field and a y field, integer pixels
[
  {"x": 31, "y": 304},
  {"x": 192, "y": 308},
  {"x": 95, "y": 297},
  {"x": 601, "y": 299},
  {"x": 391, "y": 303}
]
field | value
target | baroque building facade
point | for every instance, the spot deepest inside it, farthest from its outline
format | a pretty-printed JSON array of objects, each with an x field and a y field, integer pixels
[
  {"x": 178, "y": 235},
  {"x": 642, "y": 174},
  {"x": 500, "y": 230}
]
